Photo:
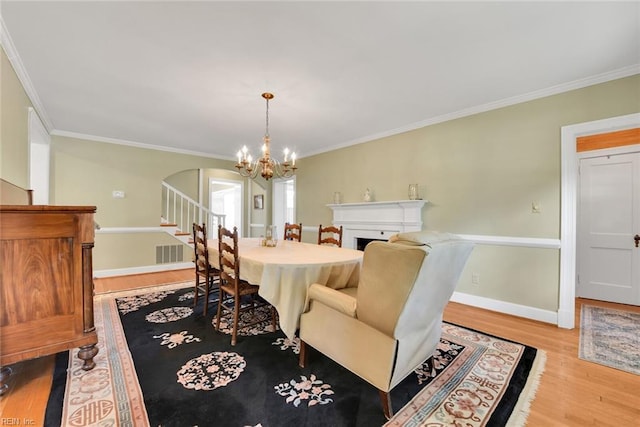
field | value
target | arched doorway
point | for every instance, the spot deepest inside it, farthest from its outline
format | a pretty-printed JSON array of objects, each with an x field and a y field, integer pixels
[{"x": 210, "y": 196}]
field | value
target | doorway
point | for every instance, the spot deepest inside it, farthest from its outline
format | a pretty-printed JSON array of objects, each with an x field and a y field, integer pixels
[
  {"x": 226, "y": 197},
  {"x": 284, "y": 202},
  {"x": 568, "y": 209}
]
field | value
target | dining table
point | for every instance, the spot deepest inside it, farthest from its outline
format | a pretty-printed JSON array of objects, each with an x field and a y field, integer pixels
[{"x": 284, "y": 272}]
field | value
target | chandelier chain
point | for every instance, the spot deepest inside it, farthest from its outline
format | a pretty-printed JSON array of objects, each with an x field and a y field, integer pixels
[{"x": 266, "y": 133}]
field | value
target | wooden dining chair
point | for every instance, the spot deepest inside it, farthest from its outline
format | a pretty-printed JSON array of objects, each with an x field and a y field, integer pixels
[
  {"x": 233, "y": 289},
  {"x": 330, "y": 235},
  {"x": 293, "y": 232},
  {"x": 203, "y": 268}
]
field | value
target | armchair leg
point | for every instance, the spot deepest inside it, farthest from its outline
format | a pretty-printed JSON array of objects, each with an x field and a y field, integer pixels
[
  {"x": 302, "y": 360},
  {"x": 385, "y": 398}
]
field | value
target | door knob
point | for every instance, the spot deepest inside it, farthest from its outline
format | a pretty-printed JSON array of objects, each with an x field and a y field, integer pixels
[{"x": 637, "y": 239}]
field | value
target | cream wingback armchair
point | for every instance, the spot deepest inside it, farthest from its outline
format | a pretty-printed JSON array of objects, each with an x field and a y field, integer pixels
[{"x": 391, "y": 323}]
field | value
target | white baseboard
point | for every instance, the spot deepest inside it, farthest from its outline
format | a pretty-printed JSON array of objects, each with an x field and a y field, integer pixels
[
  {"x": 506, "y": 307},
  {"x": 141, "y": 270}
]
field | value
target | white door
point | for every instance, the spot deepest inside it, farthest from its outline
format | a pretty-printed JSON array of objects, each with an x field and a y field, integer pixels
[{"x": 608, "y": 220}]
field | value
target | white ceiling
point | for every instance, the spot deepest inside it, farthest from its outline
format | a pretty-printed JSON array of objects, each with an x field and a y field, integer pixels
[{"x": 188, "y": 75}]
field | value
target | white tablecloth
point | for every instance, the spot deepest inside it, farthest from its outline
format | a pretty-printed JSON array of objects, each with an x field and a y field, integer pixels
[{"x": 285, "y": 272}]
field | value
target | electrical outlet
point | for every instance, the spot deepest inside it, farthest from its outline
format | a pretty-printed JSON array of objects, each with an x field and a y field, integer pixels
[
  {"x": 475, "y": 279},
  {"x": 117, "y": 194}
]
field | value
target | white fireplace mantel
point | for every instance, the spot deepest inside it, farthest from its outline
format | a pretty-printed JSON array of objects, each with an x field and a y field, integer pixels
[{"x": 376, "y": 220}]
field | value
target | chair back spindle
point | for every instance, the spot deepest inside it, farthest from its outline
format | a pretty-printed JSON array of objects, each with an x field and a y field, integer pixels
[
  {"x": 293, "y": 232},
  {"x": 330, "y": 235}
]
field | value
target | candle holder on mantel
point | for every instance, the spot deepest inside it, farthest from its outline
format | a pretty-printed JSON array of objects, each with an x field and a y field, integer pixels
[
  {"x": 413, "y": 192},
  {"x": 337, "y": 198}
]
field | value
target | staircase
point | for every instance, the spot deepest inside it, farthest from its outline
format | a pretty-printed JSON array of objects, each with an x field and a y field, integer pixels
[{"x": 180, "y": 211}]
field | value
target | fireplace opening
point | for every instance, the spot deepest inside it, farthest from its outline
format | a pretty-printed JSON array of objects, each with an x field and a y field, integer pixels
[{"x": 362, "y": 242}]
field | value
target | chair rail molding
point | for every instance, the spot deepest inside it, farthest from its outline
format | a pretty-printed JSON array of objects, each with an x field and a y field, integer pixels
[{"x": 376, "y": 220}]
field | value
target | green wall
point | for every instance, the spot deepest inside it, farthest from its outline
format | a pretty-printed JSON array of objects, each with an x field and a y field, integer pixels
[
  {"x": 185, "y": 181},
  {"x": 480, "y": 175},
  {"x": 137, "y": 249},
  {"x": 86, "y": 172}
]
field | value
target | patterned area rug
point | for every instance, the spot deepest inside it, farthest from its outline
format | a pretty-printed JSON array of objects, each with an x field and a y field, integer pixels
[
  {"x": 610, "y": 337},
  {"x": 161, "y": 364}
]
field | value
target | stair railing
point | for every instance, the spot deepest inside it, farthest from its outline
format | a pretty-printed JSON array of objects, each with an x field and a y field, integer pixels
[{"x": 182, "y": 210}]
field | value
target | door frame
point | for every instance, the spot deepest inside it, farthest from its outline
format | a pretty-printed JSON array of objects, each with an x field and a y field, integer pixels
[
  {"x": 39, "y": 159},
  {"x": 568, "y": 205}
]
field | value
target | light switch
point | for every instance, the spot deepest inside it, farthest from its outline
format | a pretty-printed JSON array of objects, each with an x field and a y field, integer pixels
[
  {"x": 535, "y": 207},
  {"x": 117, "y": 194}
]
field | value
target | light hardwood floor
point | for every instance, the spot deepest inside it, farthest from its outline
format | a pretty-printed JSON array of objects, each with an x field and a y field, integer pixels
[{"x": 572, "y": 392}]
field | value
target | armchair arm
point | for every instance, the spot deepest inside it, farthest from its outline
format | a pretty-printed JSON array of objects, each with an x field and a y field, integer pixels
[{"x": 335, "y": 299}]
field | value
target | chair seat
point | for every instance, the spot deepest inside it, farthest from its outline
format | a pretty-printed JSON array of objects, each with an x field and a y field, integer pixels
[
  {"x": 213, "y": 273},
  {"x": 352, "y": 292},
  {"x": 244, "y": 288}
]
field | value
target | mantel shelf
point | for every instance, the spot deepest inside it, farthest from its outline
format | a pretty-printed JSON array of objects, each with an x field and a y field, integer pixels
[{"x": 419, "y": 202}]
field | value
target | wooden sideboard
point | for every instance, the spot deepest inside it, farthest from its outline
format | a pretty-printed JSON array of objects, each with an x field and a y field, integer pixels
[{"x": 46, "y": 283}]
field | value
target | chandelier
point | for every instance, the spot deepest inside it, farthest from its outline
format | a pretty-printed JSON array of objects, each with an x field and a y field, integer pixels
[{"x": 266, "y": 166}]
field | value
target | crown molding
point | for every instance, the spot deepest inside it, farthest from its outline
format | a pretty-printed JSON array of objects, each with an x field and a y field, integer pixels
[
  {"x": 553, "y": 90},
  {"x": 21, "y": 72},
  {"x": 117, "y": 141}
]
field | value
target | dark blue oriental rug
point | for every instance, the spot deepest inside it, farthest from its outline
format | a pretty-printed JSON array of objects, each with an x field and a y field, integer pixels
[{"x": 162, "y": 364}]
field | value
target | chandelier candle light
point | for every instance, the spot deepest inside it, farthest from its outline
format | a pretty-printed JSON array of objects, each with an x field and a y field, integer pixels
[{"x": 265, "y": 165}]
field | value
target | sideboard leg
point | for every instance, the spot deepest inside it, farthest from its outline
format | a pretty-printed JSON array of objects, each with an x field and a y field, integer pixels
[
  {"x": 87, "y": 353},
  {"x": 5, "y": 372}
]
